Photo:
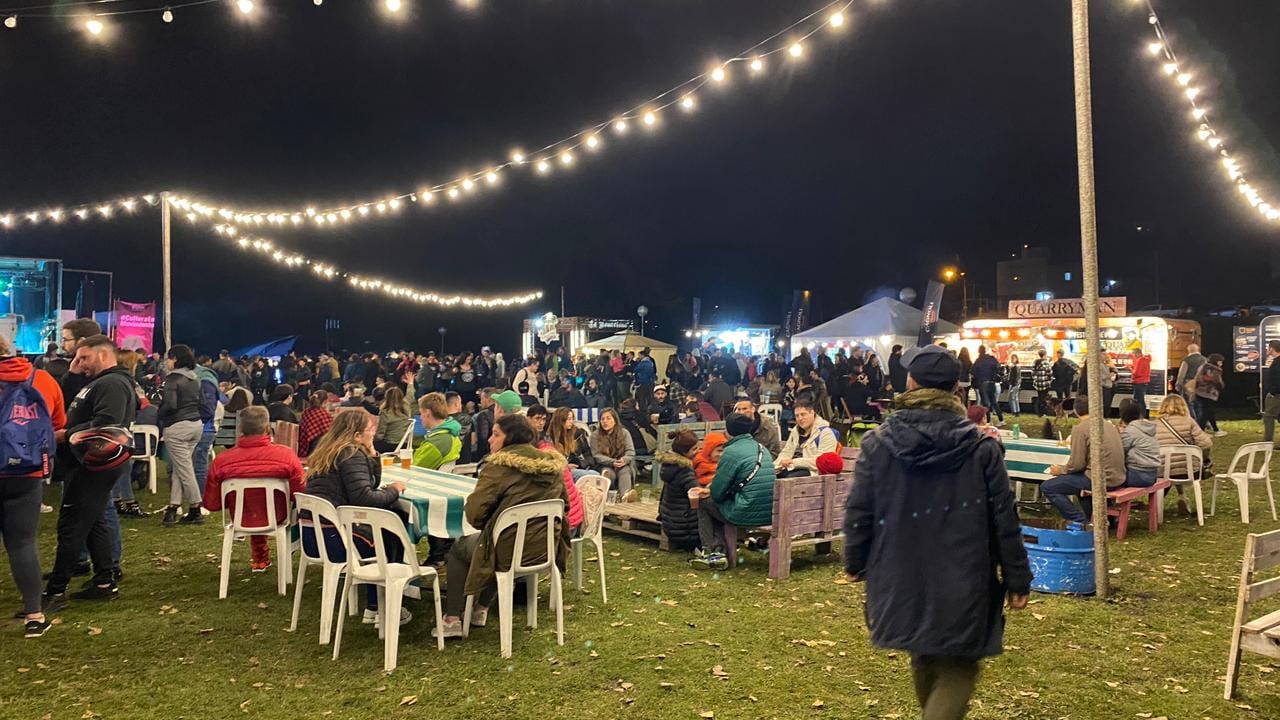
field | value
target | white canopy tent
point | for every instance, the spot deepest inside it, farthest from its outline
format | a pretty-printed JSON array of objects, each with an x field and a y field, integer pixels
[
  {"x": 878, "y": 325},
  {"x": 631, "y": 341}
]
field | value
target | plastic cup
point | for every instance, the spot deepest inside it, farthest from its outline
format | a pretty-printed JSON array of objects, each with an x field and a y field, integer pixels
[
  {"x": 388, "y": 459},
  {"x": 406, "y": 459},
  {"x": 613, "y": 497},
  {"x": 695, "y": 495}
]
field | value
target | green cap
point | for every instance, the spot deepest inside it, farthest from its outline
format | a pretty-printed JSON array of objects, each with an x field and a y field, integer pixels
[{"x": 508, "y": 400}]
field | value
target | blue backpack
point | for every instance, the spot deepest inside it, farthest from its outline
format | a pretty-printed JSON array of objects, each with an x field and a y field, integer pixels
[{"x": 26, "y": 430}]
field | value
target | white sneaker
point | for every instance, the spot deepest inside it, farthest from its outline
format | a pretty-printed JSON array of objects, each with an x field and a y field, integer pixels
[
  {"x": 1220, "y": 433},
  {"x": 479, "y": 616},
  {"x": 371, "y": 616},
  {"x": 449, "y": 629},
  {"x": 46, "y": 508}
]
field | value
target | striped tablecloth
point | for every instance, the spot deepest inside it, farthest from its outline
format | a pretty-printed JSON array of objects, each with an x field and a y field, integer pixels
[
  {"x": 1028, "y": 459},
  {"x": 434, "y": 501}
]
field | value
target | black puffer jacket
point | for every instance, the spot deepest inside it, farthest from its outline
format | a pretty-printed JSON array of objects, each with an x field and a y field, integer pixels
[
  {"x": 182, "y": 398},
  {"x": 679, "y": 520},
  {"x": 354, "y": 481},
  {"x": 929, "y": 521}
]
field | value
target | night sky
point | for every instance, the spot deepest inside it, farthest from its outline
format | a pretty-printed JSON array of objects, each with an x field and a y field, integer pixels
[{"x": 932, "y": 130}]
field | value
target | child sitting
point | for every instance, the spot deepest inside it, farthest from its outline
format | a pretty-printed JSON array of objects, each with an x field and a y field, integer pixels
[
  {"x": 978, "y": 416},
  {"x": 1141, "y": 448},
  {"x": 704, "y": 463},
  {"x": 675, "y": 509}
]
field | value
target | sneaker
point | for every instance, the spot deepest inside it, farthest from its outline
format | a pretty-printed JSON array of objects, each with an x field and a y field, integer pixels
[
  {"x": 259, "y": 567},
  {"x": 46, "y": 508},
  {"x": 98, "y": 592},
  {"x": 170, "y": 517},
  {"x": 709, "y": 561},
  {"x": 1220, "y": 433},
  {"x": 133, "y": 510},
  {"x": 450, "y": 629},
  {"x": 51, "y": 603},
  {"x": 193, "y": 516},
  {"x": 479, "y": 617},
  {"x": 116, "y": 576},
  {"x": 371, "y": 616},
  {"x": 37, "y": 628}
]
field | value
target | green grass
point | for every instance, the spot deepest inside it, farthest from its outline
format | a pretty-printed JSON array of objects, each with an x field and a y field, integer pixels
[{"x": 168, "y": 648}]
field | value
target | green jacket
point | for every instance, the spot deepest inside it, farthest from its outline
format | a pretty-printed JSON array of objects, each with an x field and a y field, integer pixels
[
  {"x": 753, "y": 505},
  {"x": 392, "y": 427},
  {"x": 440, "y": 446}
]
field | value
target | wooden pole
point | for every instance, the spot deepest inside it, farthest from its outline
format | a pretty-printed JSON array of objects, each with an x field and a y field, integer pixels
[
  {"x": 166, "y": 261},
  {"x": 1089, "y": 266}
]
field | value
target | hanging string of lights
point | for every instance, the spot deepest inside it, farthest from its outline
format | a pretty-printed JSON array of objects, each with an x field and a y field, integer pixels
[
  {"x": 329, "y": 271},
  {"x": 559, "y": 155},
  {"x": 1184, "y": 79}
]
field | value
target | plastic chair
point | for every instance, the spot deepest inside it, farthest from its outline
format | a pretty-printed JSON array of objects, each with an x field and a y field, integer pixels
[
  {"x": 391, "y": 578},
  {"x": 1192, "y": 458},
  {"x": 277, "y": 526},
  {"x": 592, "y": 522},
  {"x": 550, "y": 511},
  {"x": 150, "y": 446},
  {"x": 406, "y": 442},
  {"x": 773, "y": 410},
  {"x": 1248, "y": 453},
  {"x": 322, "y": 511}
]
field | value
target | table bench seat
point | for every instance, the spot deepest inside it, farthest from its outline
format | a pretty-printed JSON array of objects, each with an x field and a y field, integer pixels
[{"x": 1120, "y": 503}]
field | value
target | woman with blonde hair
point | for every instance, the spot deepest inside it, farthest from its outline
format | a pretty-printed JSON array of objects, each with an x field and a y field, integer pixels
[
  {"x": 614, "y": 451},
  {"x": 570, "y": 441},
  {"x": 1175, "y": 426},
  {"x": 345, "y": 470}
]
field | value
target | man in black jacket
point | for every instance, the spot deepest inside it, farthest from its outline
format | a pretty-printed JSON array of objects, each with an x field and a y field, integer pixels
[
  {"x": 110, "y": 399},
  {"x": 986, "y": 373},
  {"x": 931, "y": 526}
]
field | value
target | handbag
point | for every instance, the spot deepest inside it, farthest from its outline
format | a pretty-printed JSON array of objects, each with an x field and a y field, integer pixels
[{"x": 1207, "y": 460}]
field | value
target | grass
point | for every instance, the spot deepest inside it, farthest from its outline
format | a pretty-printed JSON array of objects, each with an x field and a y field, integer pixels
[{"x": 168, "y": 648}]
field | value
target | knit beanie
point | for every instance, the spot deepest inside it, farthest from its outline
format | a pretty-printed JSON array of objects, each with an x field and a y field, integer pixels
[
  {"x": 683, "y": 441},
  {"x": 737, "y": 424},
  {"x": 829, "y": 464}
]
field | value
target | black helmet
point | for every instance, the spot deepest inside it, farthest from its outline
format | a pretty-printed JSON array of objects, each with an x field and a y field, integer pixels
[{"x": 102, "y": 448}]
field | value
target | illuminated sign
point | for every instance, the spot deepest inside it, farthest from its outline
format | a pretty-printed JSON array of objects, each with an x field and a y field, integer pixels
[{"x": 1066, "y": 308}]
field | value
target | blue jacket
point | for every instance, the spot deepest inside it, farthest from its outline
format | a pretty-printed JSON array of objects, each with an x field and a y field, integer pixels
[
  {"x": 753, "y": 505},
  {"x": 210, "y": 395},
  {"x": 986, "y": 369},
  {"x": 646, "y": 372}
]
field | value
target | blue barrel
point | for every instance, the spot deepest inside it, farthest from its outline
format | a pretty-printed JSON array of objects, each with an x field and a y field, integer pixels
[{"x": 1061, "y": 559}]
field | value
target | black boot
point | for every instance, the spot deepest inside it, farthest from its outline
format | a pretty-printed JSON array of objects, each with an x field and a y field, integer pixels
[
  {"x": 170, "y": 516},
  {"x": 193, "y": 516}
]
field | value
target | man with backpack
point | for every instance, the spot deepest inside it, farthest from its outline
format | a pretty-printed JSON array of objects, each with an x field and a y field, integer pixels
[
  {"x": 31, "y": 412},
  {"x": 109, "y": 400}
]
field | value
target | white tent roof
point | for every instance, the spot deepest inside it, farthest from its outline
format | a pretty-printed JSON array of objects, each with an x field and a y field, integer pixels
[
  {"x": 627, "y": 340},
  {"x": 885, "y": 316}
]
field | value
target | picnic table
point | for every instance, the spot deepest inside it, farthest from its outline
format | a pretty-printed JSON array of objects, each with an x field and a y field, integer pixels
[
  {"x": 434, "y": 501},
  {"x": 1028, "y": 460}
]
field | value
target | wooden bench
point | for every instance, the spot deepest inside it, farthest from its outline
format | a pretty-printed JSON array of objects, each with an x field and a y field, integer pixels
[
  {"x": 638, "y": 519},
  {"x": 1120, "y": 502},
  {"x": 1260, "y": 636},
  {"x": 806, "y": 511}
]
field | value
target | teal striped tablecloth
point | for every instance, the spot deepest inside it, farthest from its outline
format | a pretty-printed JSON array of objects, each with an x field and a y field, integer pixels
[
  {"x": 434, "y": 501},
  {"x": 1028, "y": 459}
]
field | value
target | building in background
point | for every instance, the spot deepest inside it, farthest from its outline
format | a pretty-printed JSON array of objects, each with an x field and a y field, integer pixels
[{"x": 1033, "y": 274}]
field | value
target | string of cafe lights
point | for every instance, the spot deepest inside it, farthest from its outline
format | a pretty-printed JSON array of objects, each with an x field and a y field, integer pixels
[
  {"x": 1184, "y": 79},
  {"x": 93, "y": 16},
  {"x": 329, "y": 271},
  {"x": 562, "y": 154}
]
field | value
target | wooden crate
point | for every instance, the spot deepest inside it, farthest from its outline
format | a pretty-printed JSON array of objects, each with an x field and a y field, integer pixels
[{"x": 639, "y": 519}]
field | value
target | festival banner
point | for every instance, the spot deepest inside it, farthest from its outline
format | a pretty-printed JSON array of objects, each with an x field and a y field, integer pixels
[
  {"x": 135, "y": 326},
  {"x": 932, "y": 307}
]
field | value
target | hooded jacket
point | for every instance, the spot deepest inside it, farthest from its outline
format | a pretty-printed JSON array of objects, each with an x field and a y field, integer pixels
[
  {"x": 254, "y": 456},
  {"x": 1141, "y": 448},
  {"x": 181, "y": 401},
  {"x": 514, "y": 475},
  {"x": 211, "y": 396},
  {"x": 744, "y": 460},
  {"x": 704, "y": 467},
  {"x": 822, "y": 438},
  {"x": 679, "y": 519},
  {"x": 110, "y": 398},
  {"x": 17, "y": 370},
  {"x": 928, "y": 522},
  {"x": 440, "y": 446}
]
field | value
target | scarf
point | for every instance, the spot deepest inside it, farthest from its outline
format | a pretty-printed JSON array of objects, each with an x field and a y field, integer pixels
[{"x": 929, "y": 399}]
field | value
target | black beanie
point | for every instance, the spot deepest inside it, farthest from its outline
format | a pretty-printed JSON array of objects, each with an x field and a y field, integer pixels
[{"x": 737, "y": 424}]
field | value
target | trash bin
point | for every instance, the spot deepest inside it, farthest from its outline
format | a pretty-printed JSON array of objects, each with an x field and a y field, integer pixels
[{"x": 1061, "y": 557}]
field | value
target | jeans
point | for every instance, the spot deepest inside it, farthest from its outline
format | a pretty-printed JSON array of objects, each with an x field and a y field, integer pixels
[
  {"x": 457, "y": 568},
  {"x": 1015, "y": 404},
  {"x": 990, "y": 399},
  {"x": 123, "y": 490},
  {"x": 1208, "y": 414},
  {"x": 200, "y": 459},
  {"x": 711, "y": 526},
  {"x": 338, "y": 551},
  {"x": 81, "y": 520},
  {"x": 944, "y": 685},
  {"x": 1270, "y": 410},
  {"x": 1138, "y": 478},
  {"x": 1042, "y": 402},
  {"x": 111, "y": 517},
  {"x": 580, "y": 473},
  {"x": 1059, "y": 491},
  {"x": 1140, "y": 397},
  {"x": 181, "y": 438},
  {"x": 19, "y": 516}
]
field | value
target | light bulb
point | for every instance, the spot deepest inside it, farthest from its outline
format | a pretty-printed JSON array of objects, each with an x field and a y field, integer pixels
[
  {"x": 1192, "y": 93},
  {"x": 1198, "y": 113},
  {"x": 1214, "y": 142},
  {"x": 566, "y": 158},
  {"x": 718, "y": 74},
  {"x": 94, "y": 27},
  {"x": 426, "y": 196},
  {"x": 836, "y": 19},
  {"x": 318, "y": 2},
  {"x": 11, "y": 22},
  {"x": 650, "y": 118},
  {"x": 687, "y": 102},
  {"x": 468, "y": 185},
  {"x": 246, "y": 6},
  {"x": 1184, "y": 79},
  {"x": 167, "y": 15},
  {"x": 393, "y": 5},
  {"x": 491, "y": 177},
  {"x": 394, "y": 203},
  {"x": 453, "y": 193},
  {"x": 620, "y": 126},
  {"x": 796, "y": 50},
  {"x": 1155, "y": 48},
  {"x": 363, "y": 210},
  {"x": 757, "y": 65},
  {"x": 517, "y": 157},
  {"x": 593, "y": 142},
  {"x": 1170, "y": 68},
  {"x": 544, "y": 167}
]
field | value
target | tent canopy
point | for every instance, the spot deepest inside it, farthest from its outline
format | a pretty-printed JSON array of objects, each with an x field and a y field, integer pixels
[
  {"x": 631, "y": 341},
  {"x": 870, "y": 325},
  {"x": 278, "y": 347}
]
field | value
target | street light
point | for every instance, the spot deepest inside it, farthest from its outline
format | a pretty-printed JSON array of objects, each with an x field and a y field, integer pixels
[
  {"x": 643, "y": 312},
  {"x": 949, "y": 274},
  {"x": 442, "y": 330}
]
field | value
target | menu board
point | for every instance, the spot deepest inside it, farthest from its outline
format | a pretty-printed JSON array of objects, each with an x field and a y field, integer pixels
[{"x": 1245, "y": 348}]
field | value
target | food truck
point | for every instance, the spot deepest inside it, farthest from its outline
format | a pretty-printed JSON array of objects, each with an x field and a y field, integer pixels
[{"x": 1164, "y": 339}]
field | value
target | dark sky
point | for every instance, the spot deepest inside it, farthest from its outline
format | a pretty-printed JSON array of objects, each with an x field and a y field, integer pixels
[{"x": 932, "y": 129}]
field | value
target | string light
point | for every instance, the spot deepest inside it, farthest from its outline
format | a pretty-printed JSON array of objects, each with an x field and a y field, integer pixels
[
  {"x": 94, "y": 26},
  {"x": 11, "y": 22},
  {"x": 167, "y": 15},
  {"x": 393, "y": 5},
  {"x": 246, "y": 6},
  {"x": 836, "y": 19},
  {"x": 329, "y": 271},
  {"x": 1205, "y": 131},
  {"x": 647, "y": 112}
]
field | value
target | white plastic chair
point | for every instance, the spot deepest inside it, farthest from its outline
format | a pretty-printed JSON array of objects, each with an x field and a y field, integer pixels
[
  {"x": 592, "y": 522},
  {"x": 773, "y": 410},
  {"x": 277, "y": 526},
  {"x": 551, "y": 512},
  {"x": 1261, "y": 471},
  {"x": 322, "y": 511},
  {"x": 150, "y": 446},
  {"x": 406, "y": 442},
  {"x": 1192, "y": 459},
  {"x": 389, "y": 577}
]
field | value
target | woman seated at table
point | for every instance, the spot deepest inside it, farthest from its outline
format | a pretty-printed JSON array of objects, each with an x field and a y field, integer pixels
[
  {"x": 515, "y": 472},
  {"x": 1175, "y": 426},
  {"x": 614, "y": 451},
  {"x": 395, "y": 416},
  {"x": 571, "y": 441},
  {"x": 345, "y": 470}
]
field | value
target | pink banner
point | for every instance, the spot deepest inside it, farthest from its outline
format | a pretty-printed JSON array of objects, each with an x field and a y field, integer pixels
[{"x": 135, "y": 325}]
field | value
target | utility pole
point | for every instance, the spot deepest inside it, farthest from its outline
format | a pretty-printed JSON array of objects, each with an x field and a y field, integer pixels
[
  {"x": 1089, "y": 268},
  {"x": 167, "y": 261}
]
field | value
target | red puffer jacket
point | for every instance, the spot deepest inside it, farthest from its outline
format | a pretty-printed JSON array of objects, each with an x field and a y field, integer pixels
[
  {"x": 254, "y": 457},
  {"x": 576, "y": 513}
]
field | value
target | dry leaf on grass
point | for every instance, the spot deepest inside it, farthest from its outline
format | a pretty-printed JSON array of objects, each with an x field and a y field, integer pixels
[
  {"x": 818, "y": 704},
  {"x": 707, "y": 714},
  {"x": 409, "y": 700},
  {"x": 95, "y": 631},
  {"x": 718, "y": 671}
]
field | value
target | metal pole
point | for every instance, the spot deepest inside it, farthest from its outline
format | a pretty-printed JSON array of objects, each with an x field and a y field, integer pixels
[
  {"x": 1089, "y": 267},
  {"x": 561, "y": 301},
  {"x": 166, "y": 261}
]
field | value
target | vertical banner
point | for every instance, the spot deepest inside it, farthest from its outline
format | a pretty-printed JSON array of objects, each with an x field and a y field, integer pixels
[
  {"x": 929, "y": 317},
  {"x": 135, "y": 326}
]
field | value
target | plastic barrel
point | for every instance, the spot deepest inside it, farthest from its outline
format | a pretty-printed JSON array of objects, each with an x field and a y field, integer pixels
[{"x": 1061, "y": 560}]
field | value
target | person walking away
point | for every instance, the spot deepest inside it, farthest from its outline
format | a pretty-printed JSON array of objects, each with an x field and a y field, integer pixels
[
  {"x": 741, "y": 493},
  {"x": 31, "y": 414},
  {"x": 1042, "y": 383},
  {"x": 1270, "y": 392},
  {"x": 181, "y": 429},
  {"x": 966, "y": 374},
  {"x": 1064, "y": 375},
  {"x": 986, "y": 373},
  {"x": 1185, "y": 382},
  {"x": 1142, "y": 459},
  {"x": 1209, "y": 386},
  {"x": 109, "y": 400},
  {"x": 255, "y": 456},
  {"x": 1014, "y": 374},
  {"x": 1070, "y": 479},
  {"x": 812, "y": 436},
  {"x": 678, "y": 516},
  {"x": 897, "y": 372},
  {"x": 936, "y": 581},
  {"x": 1141, "y": 369},
  {"x": 646, "y": 374}
]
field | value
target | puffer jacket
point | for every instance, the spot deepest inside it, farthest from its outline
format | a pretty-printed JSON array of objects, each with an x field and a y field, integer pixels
[
  {"x": 182, "y": 398},
  {"x": 1141, "y": 448},
  {"x": 679, "y": 519},
  {"x": 254, "y": 457},
  {"x": 753, "y": 504},
  {"x": 822, "y": 439},
  {"x": 574, "y": 513},
  {"x": 514, "y": 475},
  {"x": 1181, "y": 430},
  {"x": 704, "y": 466},
  {"x": 929, "y": 522},
  {"x": 355, "y": 481}
]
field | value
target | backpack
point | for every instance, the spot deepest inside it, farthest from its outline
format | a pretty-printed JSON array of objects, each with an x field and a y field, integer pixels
[{"x": 26, "y": 432}]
